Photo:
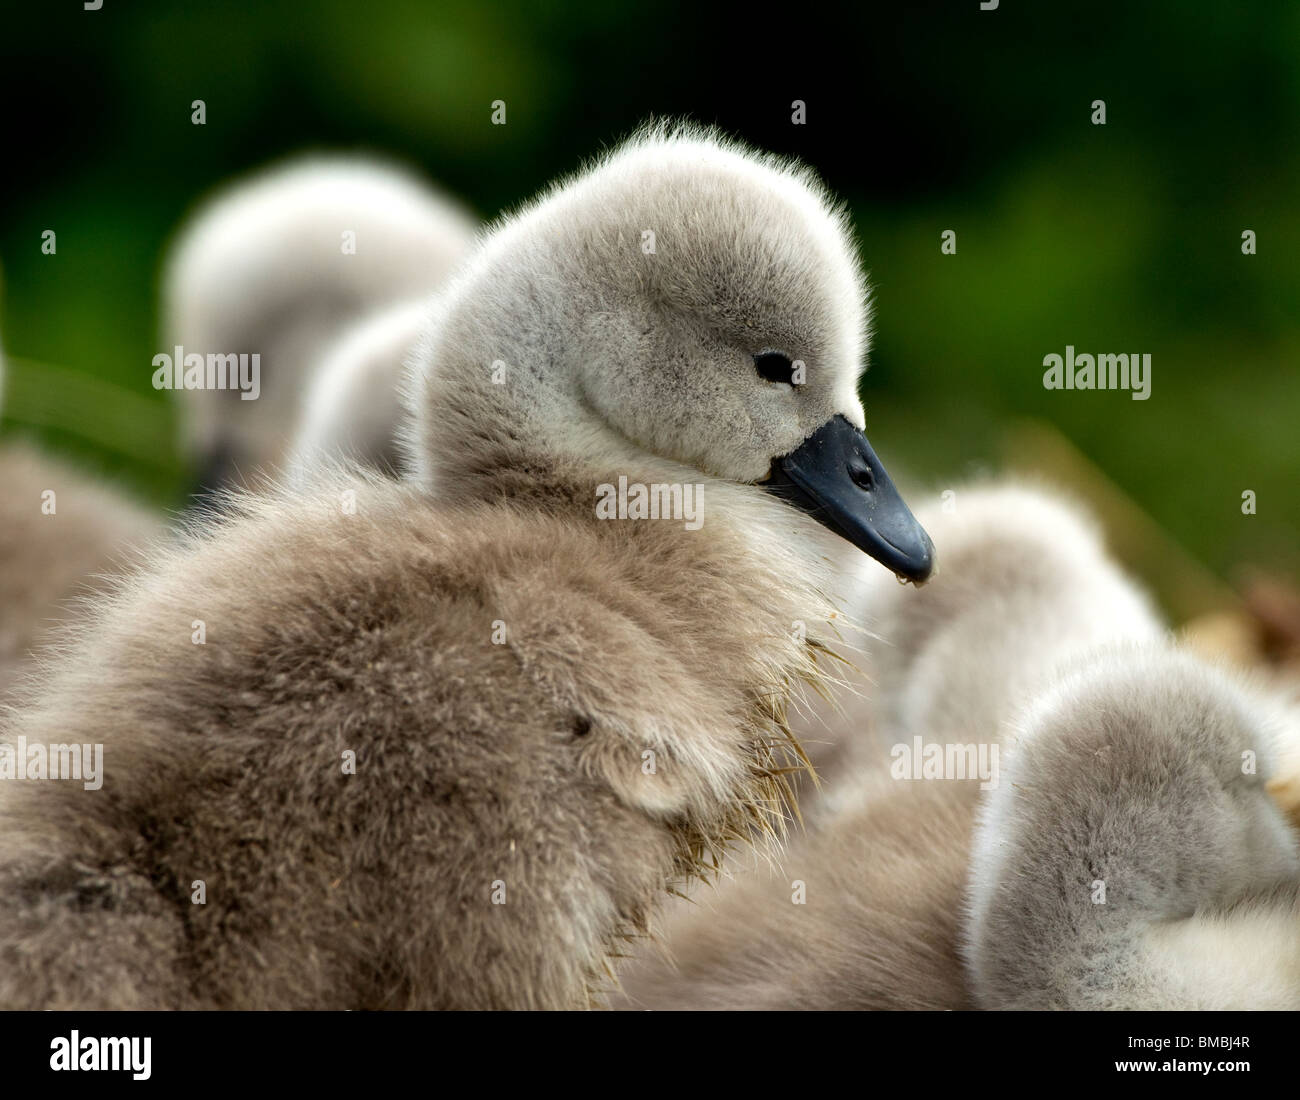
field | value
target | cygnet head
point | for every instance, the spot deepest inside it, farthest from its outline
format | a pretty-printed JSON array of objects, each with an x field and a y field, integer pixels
[{"x": 684, "y": 302}]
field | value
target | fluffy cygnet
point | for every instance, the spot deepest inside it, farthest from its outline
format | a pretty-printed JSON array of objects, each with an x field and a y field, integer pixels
[
  {"x": 448, "y": 743},
  {"x": 280, "y": 265}
]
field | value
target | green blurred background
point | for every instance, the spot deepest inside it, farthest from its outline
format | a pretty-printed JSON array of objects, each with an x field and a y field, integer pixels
[{"x": 925, "y": 116}]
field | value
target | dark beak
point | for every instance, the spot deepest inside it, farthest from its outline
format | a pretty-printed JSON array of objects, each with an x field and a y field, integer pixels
[{"x": 836, "y": 478}]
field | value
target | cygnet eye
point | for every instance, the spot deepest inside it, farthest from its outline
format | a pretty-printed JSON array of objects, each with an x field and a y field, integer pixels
[{"x": 775, "y": 367}]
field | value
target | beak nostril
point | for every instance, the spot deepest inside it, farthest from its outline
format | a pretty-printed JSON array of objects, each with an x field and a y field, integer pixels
[{"x": 862, "y": 477}]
